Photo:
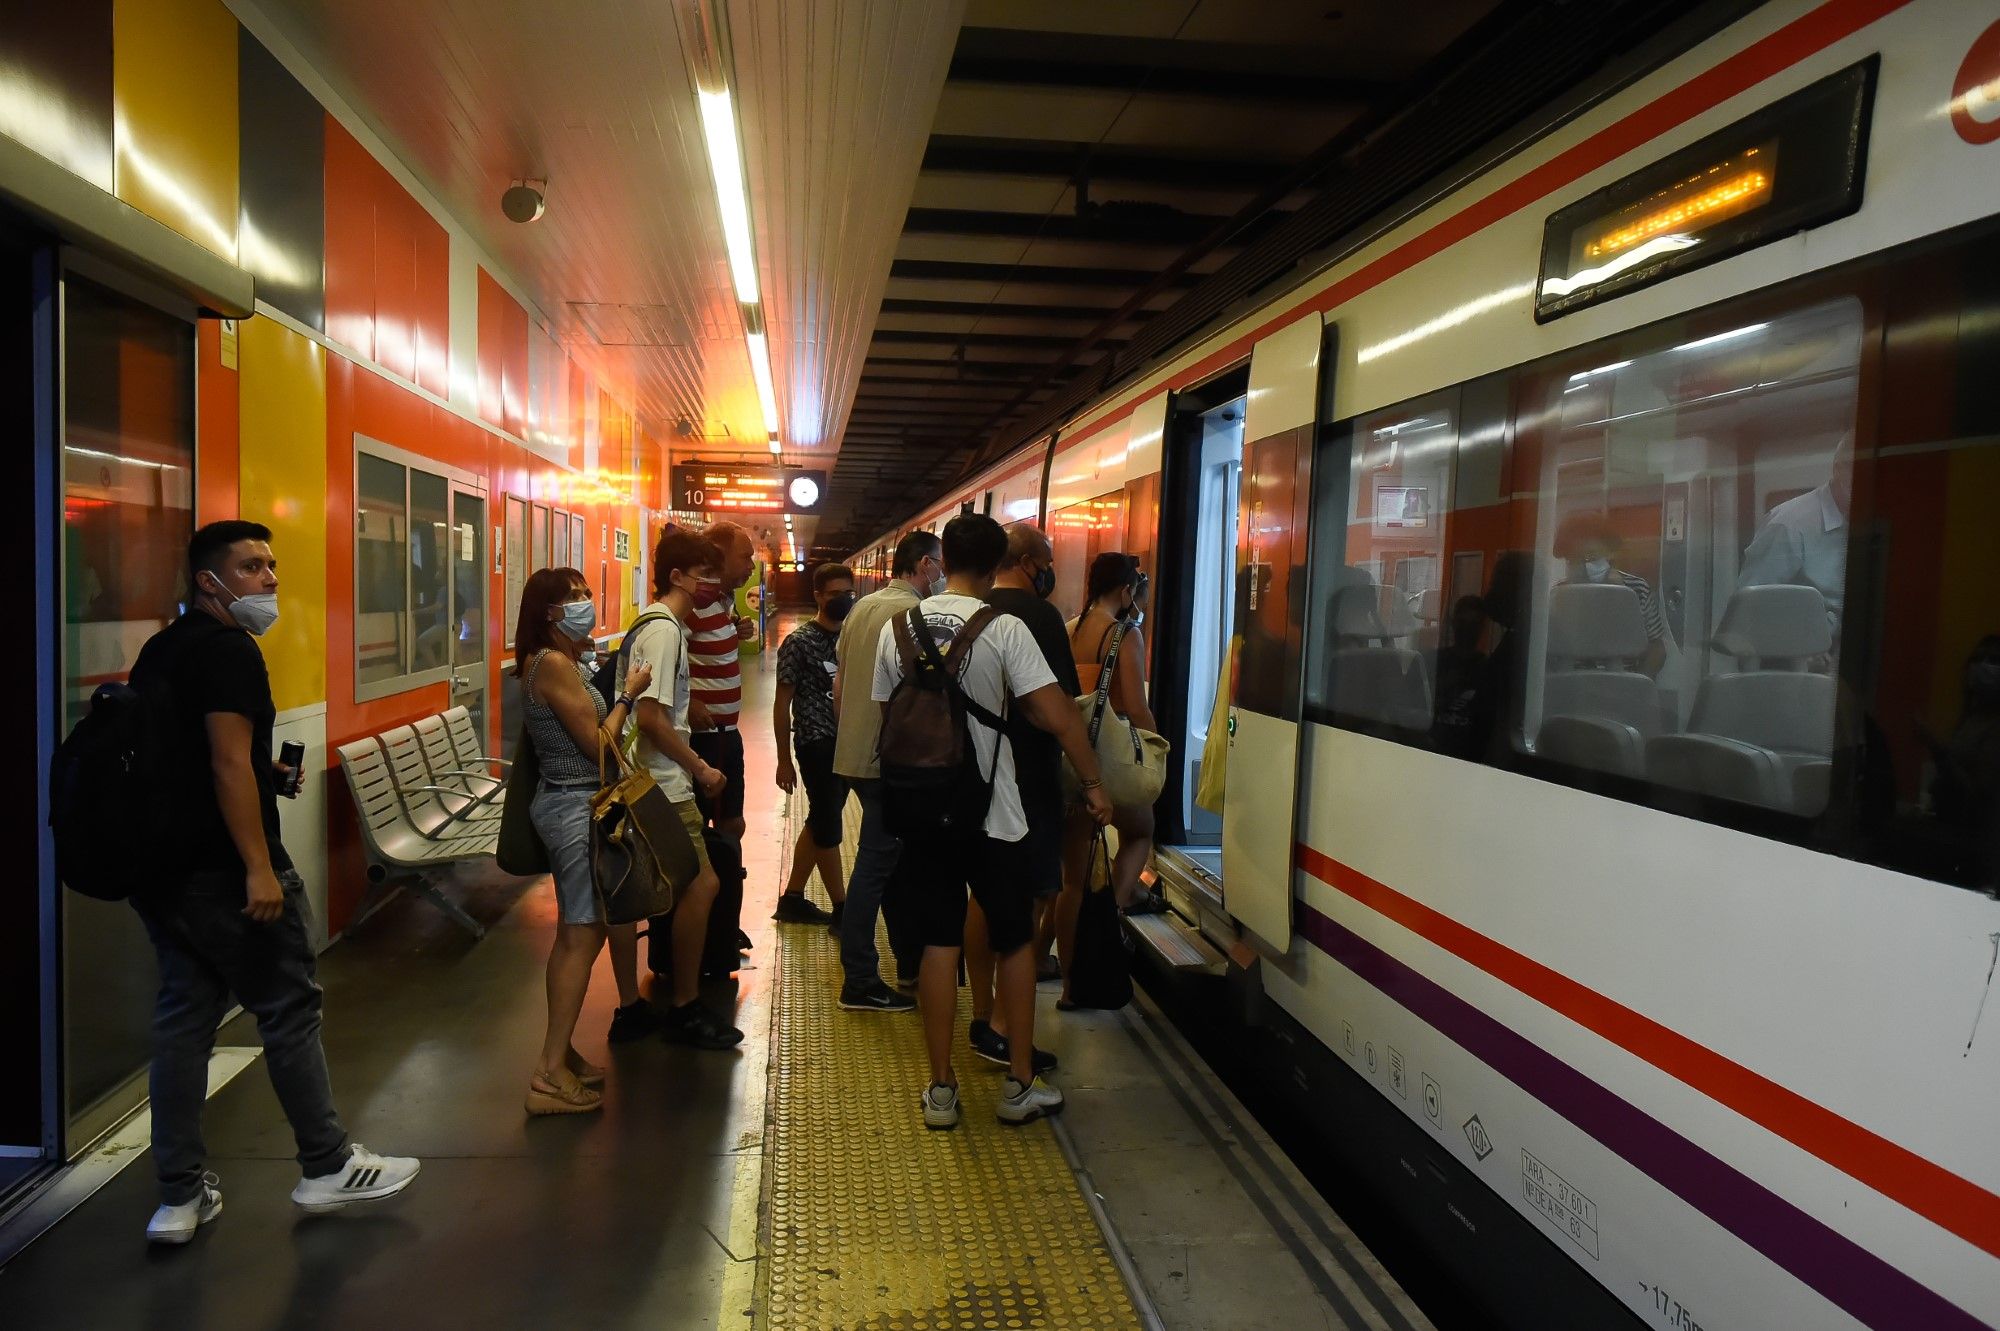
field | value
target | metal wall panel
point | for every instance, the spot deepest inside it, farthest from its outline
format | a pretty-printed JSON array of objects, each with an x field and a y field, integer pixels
[
  {"x": 56, "y": 62},
  {"x": 282, "y": 145}
]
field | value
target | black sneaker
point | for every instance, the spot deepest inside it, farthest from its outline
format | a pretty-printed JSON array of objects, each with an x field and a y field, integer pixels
[
  {"x": 881, "y": 998},
  {"x": 834, "y": 917},
  {"x": 635, "y": 1021},
  {"x": 742, "y": 941},
  {"x": 905, "y": 981},
  {"x": 793, "y": 908},
  {"x": 1148, "y": 903},
  {"x": 992, "y": 1046},
  {"x": 696, "y": 1025}
]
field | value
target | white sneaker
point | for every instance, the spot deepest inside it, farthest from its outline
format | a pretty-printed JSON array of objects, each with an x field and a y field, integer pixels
[
  {"x": 1024, "y": 1104},
  {"x": 177, "y": 1224},
  {"x": 366, "y": 1177},
  {"x": 941, "y": 1106}
]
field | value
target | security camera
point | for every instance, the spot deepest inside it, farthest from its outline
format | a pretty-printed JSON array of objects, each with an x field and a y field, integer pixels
[{"x": 523, "y": 201}]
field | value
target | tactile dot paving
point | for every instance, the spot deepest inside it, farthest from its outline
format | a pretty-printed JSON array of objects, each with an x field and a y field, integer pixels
[{"x": 871, "y": 1221}]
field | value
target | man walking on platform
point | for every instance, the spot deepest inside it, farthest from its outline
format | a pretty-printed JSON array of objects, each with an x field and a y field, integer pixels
[
  {"x": 802, "y": 718},
  {"x": 229, "y": 916},
  {"x": 917, "y": 569},
  {"x": 999, "y": 668}
]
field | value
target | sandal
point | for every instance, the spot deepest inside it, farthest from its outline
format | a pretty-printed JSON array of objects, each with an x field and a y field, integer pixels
[
  {"x": 586, "y": 1072},
  {"x": 547, "y": 1096}
]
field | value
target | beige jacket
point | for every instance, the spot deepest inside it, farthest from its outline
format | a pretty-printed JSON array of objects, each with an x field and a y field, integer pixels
[{"x": 860, "y": 714}]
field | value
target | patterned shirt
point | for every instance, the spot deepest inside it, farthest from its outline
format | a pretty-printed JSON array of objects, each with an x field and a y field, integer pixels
[
  {"x": 713, "y": 672},
  {"x": 806, "y": 661}
]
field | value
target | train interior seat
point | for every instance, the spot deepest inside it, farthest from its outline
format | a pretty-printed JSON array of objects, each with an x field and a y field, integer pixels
[
  {"x": 1598, "y": 712},
  {"x": 1372, "y": 679},
  {"x": 1761, "y": 734}
]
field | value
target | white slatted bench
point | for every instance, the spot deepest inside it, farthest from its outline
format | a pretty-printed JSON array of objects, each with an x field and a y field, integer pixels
[{"x": 411, "y": 840}]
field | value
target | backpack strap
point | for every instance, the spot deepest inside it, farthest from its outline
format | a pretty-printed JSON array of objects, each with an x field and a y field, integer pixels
[{"x": 913, "y": 637}]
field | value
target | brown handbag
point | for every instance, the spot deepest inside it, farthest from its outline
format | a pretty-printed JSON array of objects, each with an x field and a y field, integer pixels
[{"x": 640, "y": 854}]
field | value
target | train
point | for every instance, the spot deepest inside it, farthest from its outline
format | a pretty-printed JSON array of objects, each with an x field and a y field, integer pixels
[{"x": 1597, "y": 559}]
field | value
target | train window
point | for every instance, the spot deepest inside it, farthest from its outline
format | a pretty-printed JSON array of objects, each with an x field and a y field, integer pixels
[
  {"x": 1737, "y": 566},
  {"x": 1689, "y": 537}
]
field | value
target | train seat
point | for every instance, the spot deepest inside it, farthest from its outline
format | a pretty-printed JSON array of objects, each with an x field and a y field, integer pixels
[
  {"x": 1786, "y": 712},
  {"x": 1716, "y": 765},
  {"x": 1387, "y": 685},
  {"x": 1593, "y": 743},
  {"x": 1596, "y": 632}
]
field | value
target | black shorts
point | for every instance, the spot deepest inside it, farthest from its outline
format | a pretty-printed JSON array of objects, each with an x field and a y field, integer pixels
[
  {"x": 940, "y": 869},
  {"x": 826, "y": 791},
  {"x": 722, "y": 750}
]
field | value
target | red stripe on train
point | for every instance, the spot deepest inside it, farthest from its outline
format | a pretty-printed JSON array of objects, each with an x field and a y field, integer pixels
[{"x": 1932, "y": 1191}]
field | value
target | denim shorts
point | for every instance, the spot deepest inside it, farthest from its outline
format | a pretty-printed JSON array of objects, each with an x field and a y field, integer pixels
[{"x": 561, "y": 818}]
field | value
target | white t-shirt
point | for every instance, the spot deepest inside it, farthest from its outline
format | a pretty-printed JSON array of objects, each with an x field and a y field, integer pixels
[
  {"x": 1004, "y": 662},
  {"x": 662, "y": 644}
]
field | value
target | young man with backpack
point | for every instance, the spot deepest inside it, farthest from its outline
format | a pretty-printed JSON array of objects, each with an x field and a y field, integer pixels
[
  {"x": 230, "y": 916},
  {"x": 947, "y": 674}
]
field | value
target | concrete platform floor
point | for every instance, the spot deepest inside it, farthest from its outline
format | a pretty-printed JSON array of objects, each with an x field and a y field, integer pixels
[{"x": 646, "y": 1215}]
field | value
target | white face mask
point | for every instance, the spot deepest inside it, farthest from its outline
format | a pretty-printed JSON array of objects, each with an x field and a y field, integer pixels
[
  {"x": 1596, "y": 569},
  {"x": 578, "y": 619},
  {"x": 253, "y": 614}
]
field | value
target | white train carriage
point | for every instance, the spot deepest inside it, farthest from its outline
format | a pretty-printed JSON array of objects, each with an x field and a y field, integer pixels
[{"x": 1606, "y": 559}]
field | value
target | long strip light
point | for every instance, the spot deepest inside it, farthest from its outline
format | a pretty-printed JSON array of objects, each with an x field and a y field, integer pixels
[
  {"x": 725, "y": 166},
  {"x": 760, "y": 367}
]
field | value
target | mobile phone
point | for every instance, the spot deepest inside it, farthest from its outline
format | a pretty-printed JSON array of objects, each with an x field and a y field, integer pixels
[{"x": 292, "y": 755}]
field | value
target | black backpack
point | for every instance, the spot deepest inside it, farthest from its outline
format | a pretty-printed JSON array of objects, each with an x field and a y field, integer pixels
[
  {"x": 931, "y": 780},
  {"x": 110, "y": 791},
  {"x": 610, "y": 676}
]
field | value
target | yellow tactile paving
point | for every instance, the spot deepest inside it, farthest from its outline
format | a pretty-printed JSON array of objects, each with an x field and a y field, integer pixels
[{"x": 874, "y": 1223}]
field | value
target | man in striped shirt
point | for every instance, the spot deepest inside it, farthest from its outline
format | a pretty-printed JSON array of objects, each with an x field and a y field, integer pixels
[
  {"x": 1589, "y": 543},
  {"x": 716, "y": 677}
]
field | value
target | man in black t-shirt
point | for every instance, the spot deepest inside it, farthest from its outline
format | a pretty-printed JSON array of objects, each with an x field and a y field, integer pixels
[
  {"x": 1021, "y": 588},
  {"x": 228, "y": 915}
]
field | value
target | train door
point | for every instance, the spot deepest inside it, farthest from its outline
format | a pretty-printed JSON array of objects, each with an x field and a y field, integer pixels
[{"x": 1265, "y": 715}]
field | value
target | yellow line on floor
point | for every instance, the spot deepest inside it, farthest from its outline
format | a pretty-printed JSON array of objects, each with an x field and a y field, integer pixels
[{"x": 874, "y": 1223}]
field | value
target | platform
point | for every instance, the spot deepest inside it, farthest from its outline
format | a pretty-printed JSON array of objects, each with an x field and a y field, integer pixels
[{"x": 789, "y": 1185}]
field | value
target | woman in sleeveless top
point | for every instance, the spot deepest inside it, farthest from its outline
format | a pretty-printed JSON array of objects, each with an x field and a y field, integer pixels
[
  {"x": 565, "y": 717},
  {"x": 1113, "y": 590}
]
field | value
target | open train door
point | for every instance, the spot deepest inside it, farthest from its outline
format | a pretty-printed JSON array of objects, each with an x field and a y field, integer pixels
[{"x": 1260, "y": 799}]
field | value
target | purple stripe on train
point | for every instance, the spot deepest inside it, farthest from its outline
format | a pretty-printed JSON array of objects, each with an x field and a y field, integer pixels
[{"x": 1848, "y": 1275}]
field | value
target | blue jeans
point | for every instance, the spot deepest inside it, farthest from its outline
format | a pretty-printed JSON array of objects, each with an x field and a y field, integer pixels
[
  {"x": 876, "y": 884},
  {"x": 208, "y": 949},
  {"x": 561, "y": 818}
]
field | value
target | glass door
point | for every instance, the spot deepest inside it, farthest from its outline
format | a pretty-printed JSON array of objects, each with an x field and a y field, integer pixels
[
  {"x": 128, "y": 511},
  {"x": 468, "y": 603}
]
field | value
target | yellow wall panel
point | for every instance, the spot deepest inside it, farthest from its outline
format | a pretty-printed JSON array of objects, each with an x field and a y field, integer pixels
[
  {"x": 283, "y": 388},
  {"x": 174, "y": 115}
]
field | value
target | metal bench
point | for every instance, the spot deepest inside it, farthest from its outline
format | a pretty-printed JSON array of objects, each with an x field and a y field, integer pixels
[
  {"x": 411, "y": 839},
  {"x": 482, "y": 787},
  {"x": 433, "y": 809}
]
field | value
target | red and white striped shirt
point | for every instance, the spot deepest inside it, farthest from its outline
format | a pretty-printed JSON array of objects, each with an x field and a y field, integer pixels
[{"x": 714, "y": 675}]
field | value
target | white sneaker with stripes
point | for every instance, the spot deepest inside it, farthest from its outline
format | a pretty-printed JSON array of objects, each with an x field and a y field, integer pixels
[{"x": 366, "y": 1177}]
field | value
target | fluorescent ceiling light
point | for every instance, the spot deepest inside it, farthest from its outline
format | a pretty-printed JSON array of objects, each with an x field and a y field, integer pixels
[
  {"x": 725, "y": 164},
  {"x": 760, "y": 367},
  {"x": 1729, "y": 336}
]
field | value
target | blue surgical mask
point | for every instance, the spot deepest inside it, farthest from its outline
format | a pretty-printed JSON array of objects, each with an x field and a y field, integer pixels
[{"x": 578, "y": 619}]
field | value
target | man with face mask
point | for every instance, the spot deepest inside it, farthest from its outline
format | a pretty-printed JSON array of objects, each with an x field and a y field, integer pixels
[
  {"x": 1588, "y": 542},
  {"x": 802, "y": 717},
  {"x": 1022, "y": 588},
  {"x": 229, "y": 917}
]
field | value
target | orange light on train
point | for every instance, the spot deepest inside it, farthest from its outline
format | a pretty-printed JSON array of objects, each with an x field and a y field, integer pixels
[{"x": 1734, "y": 196}]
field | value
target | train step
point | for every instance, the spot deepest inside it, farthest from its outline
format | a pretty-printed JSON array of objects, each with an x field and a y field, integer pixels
[{"x": 1175, "y": 944}]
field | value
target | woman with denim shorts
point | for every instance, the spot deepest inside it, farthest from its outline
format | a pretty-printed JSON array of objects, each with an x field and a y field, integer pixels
[{"x": 567, "y": 719}]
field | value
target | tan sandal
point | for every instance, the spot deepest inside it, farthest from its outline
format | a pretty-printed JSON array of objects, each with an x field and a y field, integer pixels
[
  {"x": 547, "y": 1096},
  {"x": 587, "y": 1072}
]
